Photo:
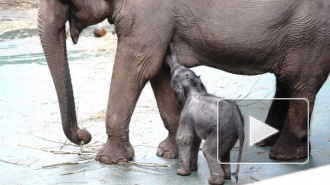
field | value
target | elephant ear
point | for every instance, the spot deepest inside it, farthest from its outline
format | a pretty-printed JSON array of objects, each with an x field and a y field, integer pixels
[
  {"x": 84, "y": 13},
  {"x": 203, "y": 87},
  {"x": 201, "y": 83},
  {"x": 179, "y": 90}
]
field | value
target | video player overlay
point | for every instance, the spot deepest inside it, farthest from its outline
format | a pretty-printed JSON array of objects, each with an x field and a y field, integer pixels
[{"x": 254, "y": 113}]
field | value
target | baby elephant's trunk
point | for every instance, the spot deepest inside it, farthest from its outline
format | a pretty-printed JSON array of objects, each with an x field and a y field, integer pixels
[
  {"x": 240, "y": 129},
  {"x": 172, "y": 60}
]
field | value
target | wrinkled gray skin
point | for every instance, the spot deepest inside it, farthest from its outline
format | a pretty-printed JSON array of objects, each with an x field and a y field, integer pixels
[
  {"x": 289, "y": 38},
  {"x": 198, "y": 121}
]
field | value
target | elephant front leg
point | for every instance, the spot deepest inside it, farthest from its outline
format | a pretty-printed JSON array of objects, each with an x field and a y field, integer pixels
[
  {"x": 169, "y": 111},
  {"x": 131, "y": 71},
  {"x": 184, "y": 141},
  {"x": 124, "y": 92}
]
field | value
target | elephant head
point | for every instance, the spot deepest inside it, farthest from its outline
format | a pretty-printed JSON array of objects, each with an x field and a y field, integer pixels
[
  {"x": 52, "y": 16},
  {"x": 182, "y": 78}
]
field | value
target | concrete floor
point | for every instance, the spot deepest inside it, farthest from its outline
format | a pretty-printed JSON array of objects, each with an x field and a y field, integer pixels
[{"x": 30, "y": 120}]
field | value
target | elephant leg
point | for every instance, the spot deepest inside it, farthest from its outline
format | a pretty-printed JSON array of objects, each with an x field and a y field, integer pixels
[
  {"x": 194, "y": 153},
  {"x": 210, "y": 153},
  {"x": 293, "y": 141},
  {"x": 184, "y": 141},
  {"x": 277, "y": 113},
  {"x": 169, "y": 111},
  {"x": 133, "y": 67},
  {"x": 226, "y": 167}
]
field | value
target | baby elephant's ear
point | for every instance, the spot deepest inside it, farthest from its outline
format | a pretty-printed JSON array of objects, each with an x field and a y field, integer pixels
[
  {"x": 179, "y": 90},
  {"x": 203, "y": 87},
  {"x": 201, "y": 84}
]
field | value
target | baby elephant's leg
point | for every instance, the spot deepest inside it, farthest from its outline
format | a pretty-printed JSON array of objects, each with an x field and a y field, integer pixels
[
  {"x": 194, "y": 153},
  {"x": 226, "y": 167},
  {"x": 184, "y": 141},
  {"x": 210, "y": 153},
  {"x": 226, "y": 143}
]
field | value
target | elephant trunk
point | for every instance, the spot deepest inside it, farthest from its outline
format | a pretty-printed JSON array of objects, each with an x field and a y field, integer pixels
[
  {"x": 174, "y": 62},
  {"x": 52, "y": 15}
]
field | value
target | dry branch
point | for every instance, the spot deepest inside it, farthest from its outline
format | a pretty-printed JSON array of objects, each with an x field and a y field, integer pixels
[
  {"x": 74, "y": 172},
  {"x": 57, "y": 151},
  {"x": 254, "y": 178},
  {"x": 148, "y": 164},
  {"x": 16, "y": 163},
  {"x": 67, "y": 163}
]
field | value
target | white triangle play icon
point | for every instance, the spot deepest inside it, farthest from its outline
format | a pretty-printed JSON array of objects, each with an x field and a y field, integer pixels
[{"x": 259, "y": 131}]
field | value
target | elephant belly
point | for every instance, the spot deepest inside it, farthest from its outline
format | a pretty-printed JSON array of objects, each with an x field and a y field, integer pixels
[
  {"x": 231, "y": 37},
  {"x": 236, "y": 51},
  {"x": 224, "y": 58}
]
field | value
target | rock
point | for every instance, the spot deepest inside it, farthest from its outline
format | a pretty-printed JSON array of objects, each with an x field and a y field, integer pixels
[{"x": 99, "y": 32}]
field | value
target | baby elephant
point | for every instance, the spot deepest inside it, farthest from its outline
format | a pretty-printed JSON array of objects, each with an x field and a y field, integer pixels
[{"x": 198, "y": 121}]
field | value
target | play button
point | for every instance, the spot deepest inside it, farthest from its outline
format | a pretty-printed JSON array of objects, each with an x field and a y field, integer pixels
[
  {"x": 259, "y": 131},
  {"x": 254, "y": 113}
]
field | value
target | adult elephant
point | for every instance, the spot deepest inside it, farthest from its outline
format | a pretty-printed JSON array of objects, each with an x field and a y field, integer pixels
[{"x": 289, "y": 38}]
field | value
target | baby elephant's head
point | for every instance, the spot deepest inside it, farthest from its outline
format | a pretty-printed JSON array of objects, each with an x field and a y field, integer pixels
[{"x": 183, "y": 80}]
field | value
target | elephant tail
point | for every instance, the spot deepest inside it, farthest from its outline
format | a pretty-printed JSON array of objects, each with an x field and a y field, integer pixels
[{"x": 240, "y": 129}]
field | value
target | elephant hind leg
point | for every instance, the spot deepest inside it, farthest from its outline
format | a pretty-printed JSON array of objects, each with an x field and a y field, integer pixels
[
  {"x": 210, "y": 153},
  {"x": 277, "y": 113},
  {"x": 226, "y": 167},
  {"x": 169, "y": 111},
  {"x": 194, "y": 153},
  {"x": 293, "y": 142}
]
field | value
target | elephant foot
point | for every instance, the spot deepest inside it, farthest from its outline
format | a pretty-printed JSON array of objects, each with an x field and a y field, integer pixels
[
  {"x": 167, "y": 148},
  {"x": 183, "y": 172},
  {"x": 216, "y": 180},
  {"x": 270, "y": 141},
  {"x": 227, "y": 175},
  {"x": 193, "y": 166},
  {"x": 114, "y": 152},
  {"x": 288, "y": 149}
]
